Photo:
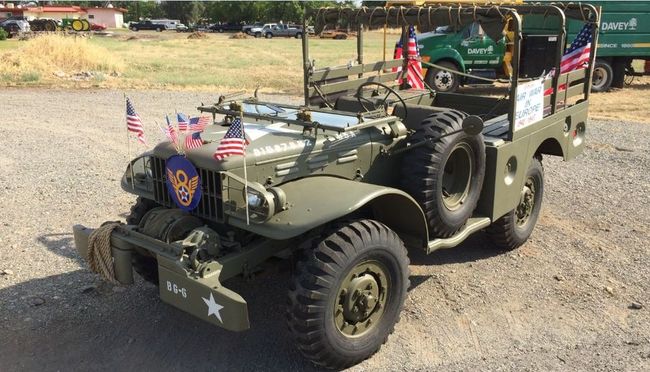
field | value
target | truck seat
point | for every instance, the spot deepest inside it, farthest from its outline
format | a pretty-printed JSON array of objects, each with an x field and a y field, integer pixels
[{"x": 416, "y": 114}]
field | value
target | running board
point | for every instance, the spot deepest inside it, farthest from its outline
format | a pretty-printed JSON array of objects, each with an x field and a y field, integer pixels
[{"x": 473, "y": 225}]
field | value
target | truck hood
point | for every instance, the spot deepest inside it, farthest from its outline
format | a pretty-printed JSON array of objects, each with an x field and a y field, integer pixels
[{"x": 266, "y": 141}]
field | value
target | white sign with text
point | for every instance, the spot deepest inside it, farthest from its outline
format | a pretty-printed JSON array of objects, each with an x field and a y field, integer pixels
[{"x": 530, "y": 103}]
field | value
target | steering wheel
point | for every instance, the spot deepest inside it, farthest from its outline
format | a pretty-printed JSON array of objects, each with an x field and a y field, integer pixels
[{"x": 377, "y": 104}]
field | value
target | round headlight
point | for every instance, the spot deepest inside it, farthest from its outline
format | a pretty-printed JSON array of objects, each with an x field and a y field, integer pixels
[{"x": 254, "y": 200}]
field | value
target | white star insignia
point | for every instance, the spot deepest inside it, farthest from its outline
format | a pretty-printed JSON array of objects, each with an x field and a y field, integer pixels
[{"x": 213, "y": 307}]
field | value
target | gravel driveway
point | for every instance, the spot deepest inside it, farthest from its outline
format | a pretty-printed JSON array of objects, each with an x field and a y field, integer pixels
[{"x": 575, "y": 297}]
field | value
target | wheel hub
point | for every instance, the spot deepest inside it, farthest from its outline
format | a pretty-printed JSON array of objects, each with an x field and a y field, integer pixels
[
  {"x": 457, "y": 177},
  {"x": 362, "y": 298},
  {"x": 526, "y": 203},
  {"x": 443, "y": 80}
]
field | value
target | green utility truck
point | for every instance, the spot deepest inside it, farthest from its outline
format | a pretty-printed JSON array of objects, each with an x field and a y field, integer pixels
[
  {"x": 624, "y": 36},
  {"x": 347, "y": 184}
]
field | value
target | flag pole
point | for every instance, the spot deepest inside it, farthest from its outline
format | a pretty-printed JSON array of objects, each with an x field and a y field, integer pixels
[
  {"x": 128, "y": 145},
  {"x": 241, "y": 118}
]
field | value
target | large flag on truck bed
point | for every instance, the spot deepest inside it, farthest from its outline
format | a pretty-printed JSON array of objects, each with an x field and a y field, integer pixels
[{"x": 577, "y": 55}]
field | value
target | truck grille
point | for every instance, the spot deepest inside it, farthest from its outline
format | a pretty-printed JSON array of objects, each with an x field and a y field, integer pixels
[{"x": 211, "y": 204}]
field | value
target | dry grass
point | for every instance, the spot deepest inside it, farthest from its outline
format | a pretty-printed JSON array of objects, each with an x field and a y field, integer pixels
[
  {"x": 631, "y": 103},
  {"x": 45, "y": 56}
]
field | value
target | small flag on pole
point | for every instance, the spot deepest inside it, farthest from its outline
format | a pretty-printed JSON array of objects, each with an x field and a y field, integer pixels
[
  {"x": 193, "y": 141},
  {"x": 199, "y": 123},
  {"x": 133, "y": 122},
  {"x": 183, "y": 122},
  {"x": 170, "y": 132},
  {"x": 233, "y": 143}
]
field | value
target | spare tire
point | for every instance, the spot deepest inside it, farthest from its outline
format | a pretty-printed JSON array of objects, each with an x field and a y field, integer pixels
[{"x": 445, "y": 176}]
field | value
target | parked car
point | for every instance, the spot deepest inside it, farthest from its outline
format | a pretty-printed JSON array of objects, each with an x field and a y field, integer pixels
[
  {"x": 182, "y": 28},
  {"x": 221, "y": 27},
  {"x": 248, "y": 28},
  {"x": 257, "y": 31},
  {"x": 147, "y": 25},
  {"x": 14, "y": 25},
  {"x": 336, "y": 34},
  {"x": 97, "y": 26},
  {"x": 282, "y": 30}
]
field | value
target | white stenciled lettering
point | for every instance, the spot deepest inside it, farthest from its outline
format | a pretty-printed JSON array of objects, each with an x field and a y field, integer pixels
[{"x": 177, "y": 290}]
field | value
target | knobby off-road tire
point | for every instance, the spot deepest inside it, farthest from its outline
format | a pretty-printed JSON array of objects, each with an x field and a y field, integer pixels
[
  {"x": 515, "y": 227},
  {"x": 145, "y": 266},
  {"x": 445, "y": 176},
  {"x": 347, "y": 293}
]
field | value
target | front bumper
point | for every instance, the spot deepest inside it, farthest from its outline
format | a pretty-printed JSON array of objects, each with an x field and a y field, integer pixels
[{"x": 203, "y": 297}]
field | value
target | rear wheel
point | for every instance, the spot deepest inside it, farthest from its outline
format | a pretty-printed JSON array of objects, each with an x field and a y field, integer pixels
[
  {"x": 347, "y": 293},
  {"x": 514, "y": 228},
  {"x": 602, "y": 76},
  {"x": 299, "y": 35},
  {"x": 158, "y": 29},
  {"x": 77, "y": 25},
  {"x": 443, "y": 80},
  {"x": 268, "y": 35}
]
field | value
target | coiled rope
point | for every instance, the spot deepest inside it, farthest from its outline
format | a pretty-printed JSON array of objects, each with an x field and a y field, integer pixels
[{"x": 100, "y": 255}]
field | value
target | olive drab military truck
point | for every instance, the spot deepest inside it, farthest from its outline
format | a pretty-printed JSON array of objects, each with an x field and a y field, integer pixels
[{"x": 347, "y": 183}]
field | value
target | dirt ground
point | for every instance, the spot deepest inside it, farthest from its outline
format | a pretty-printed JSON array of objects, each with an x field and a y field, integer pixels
[{"x": 575, "y": 297}]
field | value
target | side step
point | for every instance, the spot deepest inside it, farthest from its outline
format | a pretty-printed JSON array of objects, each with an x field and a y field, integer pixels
[{"x": 473, "y": 225}]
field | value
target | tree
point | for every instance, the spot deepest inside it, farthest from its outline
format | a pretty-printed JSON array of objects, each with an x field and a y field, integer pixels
[{"x": 196, "y": 12}]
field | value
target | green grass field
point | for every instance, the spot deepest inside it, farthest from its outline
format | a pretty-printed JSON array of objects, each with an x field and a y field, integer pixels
[{"x": 158, "y": 60}]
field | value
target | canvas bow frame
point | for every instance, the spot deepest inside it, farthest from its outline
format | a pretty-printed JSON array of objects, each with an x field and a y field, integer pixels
[{"x": 495, "y": 20}]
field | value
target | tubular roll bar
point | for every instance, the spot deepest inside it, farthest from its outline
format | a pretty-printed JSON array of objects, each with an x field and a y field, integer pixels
[{"x": 422, "y": 16}]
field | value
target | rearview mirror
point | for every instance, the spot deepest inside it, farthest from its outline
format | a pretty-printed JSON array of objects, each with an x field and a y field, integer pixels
[{"x": 472, "y": 125}]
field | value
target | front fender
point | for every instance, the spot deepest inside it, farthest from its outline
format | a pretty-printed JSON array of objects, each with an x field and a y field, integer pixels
[
  {"x": 315, "y": 201},
  {"x": 448, "y": 53}
]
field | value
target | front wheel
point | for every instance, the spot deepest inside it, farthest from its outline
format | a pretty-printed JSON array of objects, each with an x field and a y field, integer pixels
[
  {"x": 346, "y": 295},
  {"x": 515, "y": 227},
  {"x": 268, "y": 35},
  {"x": 298, "y": 35},
  {"x": 158, "y": 29},
  {"x": 443, "y": 80}
]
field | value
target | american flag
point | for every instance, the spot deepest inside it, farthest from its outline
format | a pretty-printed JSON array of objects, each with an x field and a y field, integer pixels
[
  {"x": 199, "y": 123},
  {"x": 577, "y": 56},
  {"x": 170, "y": 132},
  {"x": 133, "y": 122},
  {"x": 193, "y": 141},
  {"x": 183, "y": 122},
  {"x": 233, "y": 143},
  {"x": 414, "y": 71}
]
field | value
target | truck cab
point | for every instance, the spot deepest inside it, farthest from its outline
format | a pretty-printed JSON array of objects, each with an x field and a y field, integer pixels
[{"x": 468, "y": 49}]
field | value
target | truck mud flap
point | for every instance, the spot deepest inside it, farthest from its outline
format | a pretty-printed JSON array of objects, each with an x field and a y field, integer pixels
[{"x": 219, "y": 306}]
